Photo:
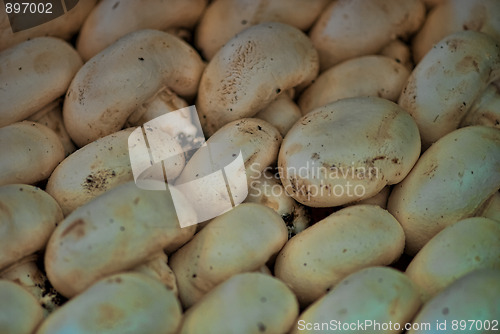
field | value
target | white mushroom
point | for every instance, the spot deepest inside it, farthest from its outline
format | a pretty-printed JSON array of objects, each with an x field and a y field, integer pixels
[
  {"x": 450, "y": 16},
  {"x": 251, "y": 70},
  {"x": 29, "y": 152},
  {"x": 451, "y": 181},
  {"x": 381, "y": 76},
  {"x": 353, "y": 28},
  {"x": 105, "y": 92},
  {"x": 112, "y": 19},
  {"x": 448, "y": 80},
  {"x": 33, "y": 74},
  {"x": 223, "y": 19}
]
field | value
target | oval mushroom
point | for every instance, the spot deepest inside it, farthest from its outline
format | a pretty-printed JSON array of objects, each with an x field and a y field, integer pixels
[
  {"x": 29, "y": 153},
  {"x": 251, "y": 70},
  {"x": 241, "y": 240},
  {"x": 93, "y": 170},
  {"x": 467, "y": 245},
  {"x": 33, "y": 74},
  {"x": 376, "y": 295},
  {"x": 29, "y": 216},
  {"x": 381, "y": 76},
  {"x": 474, "y": 296},
  {"x": 224, "y": 19},
  {"x": 451, "y": 16},
  {"x": 353, "y": 28},
  {"x": 123, "y": 303},
  {"x": 112, "y": 19},
  {"x": 348, "y": 151},
  {"x": 255, "y": 303},
  {"x": 444, "y": 85},
  {"x": 117, "y": 231},
  {"x": 105, "y": 92},
  {"x": 451, "y": 181},
  {"x": 318, "y": 258}
]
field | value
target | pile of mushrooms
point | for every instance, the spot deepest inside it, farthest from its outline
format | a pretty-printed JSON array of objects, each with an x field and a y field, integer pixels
[{"x": 367, "y": 134}]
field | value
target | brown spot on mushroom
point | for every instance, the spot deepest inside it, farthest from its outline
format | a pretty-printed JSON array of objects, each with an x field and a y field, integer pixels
[
  {"x": 380, "y": 157},
  {"x": 467, "y": 64},
  {"x": 446, "y": 311},
  {"x": 115, "y": 5},
  {"x": 295, "y": 148},
  {"x": 430, "y": 171},
  {"x": 109, "y": 316},
  {"x": 77, "y": 227},
  {"x": 262, "y": 327},
  {"x": 98, "y": 181},
  {"x": 42, "y": 62},
  {"x": 394, "y": 307},
  {"x": 6, "y": 210},
  {"x": 315, "y": 156}
]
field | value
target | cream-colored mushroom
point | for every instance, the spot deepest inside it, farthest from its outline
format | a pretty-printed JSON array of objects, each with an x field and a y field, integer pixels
[
  {"x": 450, "y": 16},
  {"x": 117, "y": 231},
  {"x": 99, "y": 167},
  {"x": 474, "y": 296},
  {"x": 317, "y": 259},
  {"x": 112, "y": 19},
  {"x": 105, "y": 92},
  {"x": 224, "y": 19},
  {"x": 29, "y": 216},
  {"x": 348, "y": 151},
  {"x": 123, "y": 303},
  {"x": 451, "y": 181},
  {"x": 444, "y": 85},
  {"x": 363, "y": 76},
  {"x": 29, "y": 153},
  {"x": 34, "y": 74},
  {"x": 245, "y": 303},
  {"x": 64, "y": 26},
  {"x": 349, "y": 29},
  {"x": 251, "y": 70},
  {"x": 376, "y": 295},
  {"x": 465, "y": 246},
  {"x": 241, "y": 240}
]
